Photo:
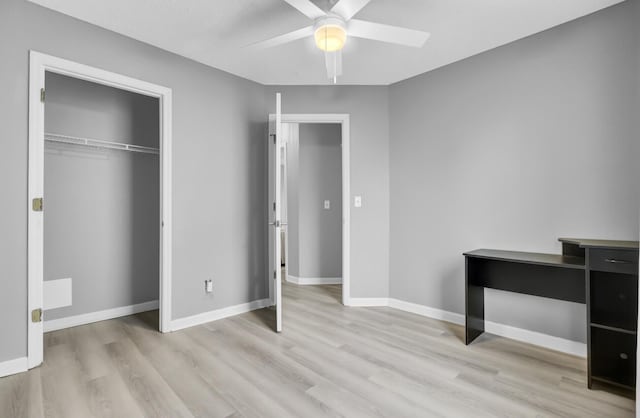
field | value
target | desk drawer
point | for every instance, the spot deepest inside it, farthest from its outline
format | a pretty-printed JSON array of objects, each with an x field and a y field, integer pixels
[
  {"x": 616, "y": 261},
  {"x": 613, "y": 356}
]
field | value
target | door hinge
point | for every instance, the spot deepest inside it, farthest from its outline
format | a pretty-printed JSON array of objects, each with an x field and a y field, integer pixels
[
  {"x": 274, "y": 138},
  {"x": 37, "y": 204},
  {"x": 274, "y": 274},
  {"x": 36, "y": 315},
  {"x": 274, "y": 206},
  {"x": 42, "y": 94}
]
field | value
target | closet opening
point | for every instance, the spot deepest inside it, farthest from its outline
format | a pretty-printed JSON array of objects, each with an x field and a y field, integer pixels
[
  {"x": 102, "y": 192},
  {"x": 99, "y": 199}
]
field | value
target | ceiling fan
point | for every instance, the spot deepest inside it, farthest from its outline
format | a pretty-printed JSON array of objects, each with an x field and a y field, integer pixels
[{"x": 331, "y": 29}]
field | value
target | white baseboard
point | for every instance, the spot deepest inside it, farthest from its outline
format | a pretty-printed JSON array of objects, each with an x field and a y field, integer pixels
[
  {"x": 74, "y": 321},
  {"x": 536, "y": 338},
  {"x": 427, "y": 311},
  {"x": 367, "y": 302},
  {"x": 9, "y": 367},
  {"x": 203, "y": 318},
  {"x": 531, "y": 337},
  {"x": 313, "y": 280}
]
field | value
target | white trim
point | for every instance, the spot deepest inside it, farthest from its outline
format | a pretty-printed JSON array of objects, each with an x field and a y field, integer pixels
[
  {"x": 278, "y": 217},
  {"x": 38, "y": 64},
  {"x": 284, "y": 201},
  {"x": 531, "y": 337},
  {"x": 368, "y": 302},
  {"x": 35, "y": 227},
  {"x": 303, "y": 281},
  {"x": 203, "y": 318},
  {"x": 9, "y": 367},
  {"x": 422, "y": 310},
  {"x": 89, "y": 318},
  {"x": 344, "y": 120},
  {"x": 536, "y": 338},
  {"x": 166, "y": 207}
]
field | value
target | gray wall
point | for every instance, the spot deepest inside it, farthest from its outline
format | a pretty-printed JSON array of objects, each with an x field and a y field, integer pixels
[
  {"x": 512, "y": 149},
  {"x": 554, "y": 112},
  {"x": 319, "y": 178},
  {"x": 102, "y": 206},
  {"x": 369, "y": 110},
  {"x": 219, "y": 164}
]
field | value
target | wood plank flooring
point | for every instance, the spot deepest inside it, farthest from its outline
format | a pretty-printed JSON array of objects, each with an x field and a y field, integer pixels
[{"x": 328, "y": 361}]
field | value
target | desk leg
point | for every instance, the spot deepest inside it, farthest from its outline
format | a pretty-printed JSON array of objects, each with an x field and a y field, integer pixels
[{"x": 474, "y": 304}]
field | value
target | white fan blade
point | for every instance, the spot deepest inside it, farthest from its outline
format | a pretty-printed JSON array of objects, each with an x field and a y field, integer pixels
[
  {"x": 348, "y": 8},
  {"x": 307, "y": 8},
  {"x": 333, "y": 62},
  {"x": 283, "y": 39},
  {"x": 386, "y": 33}
]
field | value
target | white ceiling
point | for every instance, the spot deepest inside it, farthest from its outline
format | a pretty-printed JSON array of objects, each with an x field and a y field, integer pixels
[{"x": 215, "y": 33}]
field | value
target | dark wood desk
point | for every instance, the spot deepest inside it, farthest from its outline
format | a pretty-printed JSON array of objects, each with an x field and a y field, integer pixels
[{"x": 601, "y": 273}]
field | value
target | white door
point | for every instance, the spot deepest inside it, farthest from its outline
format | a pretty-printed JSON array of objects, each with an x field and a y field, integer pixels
[{"x": 275, "y": 272}]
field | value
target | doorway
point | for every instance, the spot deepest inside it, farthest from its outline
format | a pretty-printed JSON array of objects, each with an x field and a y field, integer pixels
[
  {"x": 311, "y": 187},
  {"x": 48, "y": 69},
  {"x": 274, "y": 206}
]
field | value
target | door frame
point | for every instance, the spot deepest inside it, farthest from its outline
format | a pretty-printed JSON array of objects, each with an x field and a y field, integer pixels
[
  {"x": 284, "y": 193},
  {"x": 39, "y": 64},
  {"x": 343, "y": 120}
]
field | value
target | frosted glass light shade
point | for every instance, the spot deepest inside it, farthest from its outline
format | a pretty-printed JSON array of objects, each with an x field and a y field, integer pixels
[{"x": 330, "y": 37}]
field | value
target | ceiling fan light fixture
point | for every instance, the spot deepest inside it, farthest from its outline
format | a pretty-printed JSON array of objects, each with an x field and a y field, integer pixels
[
  {"x": 330, "y": 31},
  {"x": 330, "y": 34},
  {"x": 330, "y": 38}
]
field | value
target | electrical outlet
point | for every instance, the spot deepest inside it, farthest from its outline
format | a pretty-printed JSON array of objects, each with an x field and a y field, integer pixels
[
  {"x": 208, "y": 286},
  {"x": 357, "y": 201},
  {"x": 327, "y": 204}
]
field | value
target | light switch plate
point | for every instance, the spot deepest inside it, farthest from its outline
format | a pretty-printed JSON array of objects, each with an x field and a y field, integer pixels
[
  {"x": 208, "y": 286},
  {"x": 357, "y": 201},
  {"x": 327, "y": 204}
]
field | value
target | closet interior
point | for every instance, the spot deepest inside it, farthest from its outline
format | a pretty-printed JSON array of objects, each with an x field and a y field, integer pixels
[{"x": 101, "y": 201}]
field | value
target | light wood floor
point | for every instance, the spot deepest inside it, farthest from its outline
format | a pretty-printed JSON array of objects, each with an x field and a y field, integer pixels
[{"x": 329, "y": 361}]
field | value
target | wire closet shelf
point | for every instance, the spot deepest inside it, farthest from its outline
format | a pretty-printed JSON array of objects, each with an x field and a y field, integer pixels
[{"x": 98, "y": 143}]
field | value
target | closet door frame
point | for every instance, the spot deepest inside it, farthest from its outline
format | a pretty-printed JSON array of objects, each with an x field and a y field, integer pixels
[{"x": 39, "y": 64}]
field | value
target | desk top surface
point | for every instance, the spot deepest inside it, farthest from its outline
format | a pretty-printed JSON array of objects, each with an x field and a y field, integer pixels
[
  {"x": 555, "y": 260},
  {"x": 600, "y": 243}
]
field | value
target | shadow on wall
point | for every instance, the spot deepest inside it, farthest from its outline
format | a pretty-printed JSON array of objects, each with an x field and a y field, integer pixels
[
  {"x": 145, "y": 212},
  {"x": 258, "y": 220},
  {"x": 450, "y": 284},
  {"x": 144, "y": 199},
  {"x": 145, "y": 205}
]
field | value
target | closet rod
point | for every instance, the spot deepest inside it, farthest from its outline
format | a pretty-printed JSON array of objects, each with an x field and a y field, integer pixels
[{"x": 98, "y": 143}]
